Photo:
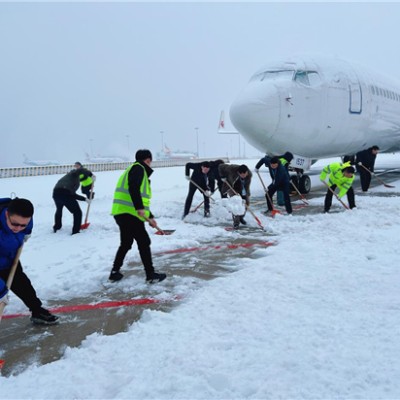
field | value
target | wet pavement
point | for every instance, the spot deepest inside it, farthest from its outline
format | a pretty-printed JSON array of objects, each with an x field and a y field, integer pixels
[{"x": 24, "y": 344}]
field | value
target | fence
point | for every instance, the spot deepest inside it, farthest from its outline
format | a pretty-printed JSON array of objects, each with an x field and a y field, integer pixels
[{"x": 17, "y": 172}]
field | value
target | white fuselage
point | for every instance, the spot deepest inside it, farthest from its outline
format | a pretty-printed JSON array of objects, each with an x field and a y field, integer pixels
[{"x": 317, "y": 108}]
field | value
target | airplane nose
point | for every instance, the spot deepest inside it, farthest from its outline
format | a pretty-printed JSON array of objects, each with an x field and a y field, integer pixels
[{"x": 256, "y": 111}]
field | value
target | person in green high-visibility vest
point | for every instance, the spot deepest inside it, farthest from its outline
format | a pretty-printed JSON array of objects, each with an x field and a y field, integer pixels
[
  {"x": 86, "y": 178},
  {"x": 131, "y": 209},
  {"x": 339, "y": 176}
]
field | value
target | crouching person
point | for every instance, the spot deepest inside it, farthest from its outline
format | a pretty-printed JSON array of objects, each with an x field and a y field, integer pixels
[
  {"x": 236, "y": 181},
  {"x": 15, "y": 227}
]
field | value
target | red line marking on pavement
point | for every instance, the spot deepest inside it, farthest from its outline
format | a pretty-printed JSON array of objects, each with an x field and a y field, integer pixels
[
  {"x": 219, "y": 247},
  {"x": 106, "y": 304}
]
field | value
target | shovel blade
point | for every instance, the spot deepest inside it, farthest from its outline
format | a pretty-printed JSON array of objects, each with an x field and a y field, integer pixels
[
  {"x": 165, "y": 232},
  {"x": 85, "y": 225}
]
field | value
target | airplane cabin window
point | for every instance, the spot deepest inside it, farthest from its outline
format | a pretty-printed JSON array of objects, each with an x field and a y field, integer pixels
[{"x": 372, "y": 89}]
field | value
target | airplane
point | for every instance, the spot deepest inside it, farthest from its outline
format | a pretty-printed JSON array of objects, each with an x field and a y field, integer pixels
[
  {"x": 167, "y": 154},
  {"x": 39, "y": 163},
  {"x": 103, "y": 159},
  {"x": 317, "y": 107}
]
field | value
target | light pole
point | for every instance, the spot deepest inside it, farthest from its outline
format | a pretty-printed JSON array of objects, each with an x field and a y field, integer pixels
[
  {"x": 129, "y": 147},
  {"x": 162, "y": 141},
  {"x": 197, "y": 139},
  {"x": 91, "y": 146}
]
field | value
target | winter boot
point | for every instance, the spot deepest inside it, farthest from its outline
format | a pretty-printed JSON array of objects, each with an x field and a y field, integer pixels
[
  {"x": 236, "y": 221},
  {"x": 156, "y": 277},
  {"x": 115, "y": 276},
  {"x": 43, "y": 317}
]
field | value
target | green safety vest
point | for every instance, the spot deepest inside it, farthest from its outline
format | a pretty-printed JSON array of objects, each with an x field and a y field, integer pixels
[
  {"x": 122, "y": 203},
  {"x": 283, "y": 161},
  {"x": 85, "y": 182},
  {"x": 336, "y": 177}
]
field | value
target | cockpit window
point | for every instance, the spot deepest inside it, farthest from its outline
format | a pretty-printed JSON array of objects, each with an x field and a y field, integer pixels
[
  {"x": 272, "y": 75},
  {"x": 307, "y": 78}
]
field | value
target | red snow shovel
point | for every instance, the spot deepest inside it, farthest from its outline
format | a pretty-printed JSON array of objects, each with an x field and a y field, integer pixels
[
  {"x": 376, "y": 176},
  {"x": 274, "y": 211},
  {"x": 161, "y": 231},
  {"x": 86, "y": 224},
  {"x": 9, "y": 283}
]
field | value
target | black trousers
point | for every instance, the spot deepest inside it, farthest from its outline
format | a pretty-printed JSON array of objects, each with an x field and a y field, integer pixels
[
  {"x": 286, "y": 195},
  {"x": 329, "y": 195},
  {"x": 72, "y": 206},
  {"x": 132, "y": 228},
  {"x": 22, "y": 287},
  {"x": 365, "y": 178},
  {"x": 189, "y": 199},
  {"x": 86, "y": 191}
]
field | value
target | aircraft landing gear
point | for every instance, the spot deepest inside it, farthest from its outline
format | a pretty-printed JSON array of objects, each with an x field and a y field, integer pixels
[{"x": 302, "y": 182}]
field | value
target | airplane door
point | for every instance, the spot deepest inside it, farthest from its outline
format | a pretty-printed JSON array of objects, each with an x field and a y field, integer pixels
[{"x": 355, "y": 98}]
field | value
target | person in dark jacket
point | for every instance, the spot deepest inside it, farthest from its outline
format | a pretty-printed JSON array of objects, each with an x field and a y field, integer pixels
[
  {"x": 86, "y": 179},
  {"x": 64, "y": 195},
  {"x": 16, "y": 225},
  {"x": 280, "y": 181},
  {"x": 131, "y": 209},
  {"x": 237, "y": 177},
  {"x": 367, "y": 160},
  {"x": 215, "y": 171},
  {"x": 203, "y": 178}
]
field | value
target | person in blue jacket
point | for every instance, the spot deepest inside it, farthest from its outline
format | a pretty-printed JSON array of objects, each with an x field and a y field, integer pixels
[
  {"x": 16, "y": 225},
  {"x": 280, "y": 181}
]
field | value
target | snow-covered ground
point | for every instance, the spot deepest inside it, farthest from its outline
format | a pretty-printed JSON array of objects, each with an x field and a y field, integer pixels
[{"x": 316, "y": 316}]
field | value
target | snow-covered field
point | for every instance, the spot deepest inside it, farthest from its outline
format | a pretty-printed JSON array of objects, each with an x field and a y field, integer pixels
[{"x": 315, "y": 316}]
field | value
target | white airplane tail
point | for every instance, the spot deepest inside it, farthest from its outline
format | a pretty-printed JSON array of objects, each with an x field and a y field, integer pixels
[{"x": 221, "y": 125}]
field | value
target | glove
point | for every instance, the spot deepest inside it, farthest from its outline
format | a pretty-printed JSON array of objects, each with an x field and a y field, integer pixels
[
  {"x": 4, "y": 296},
  {"x": 360, "y": 163},
  {"x": 187, "y": 177},
  {"x": 207, "y": 193},
  {"x": 88, "y": 201},
  {"x": 256, "y": 170},
  {"x": 223, "y": 179}
]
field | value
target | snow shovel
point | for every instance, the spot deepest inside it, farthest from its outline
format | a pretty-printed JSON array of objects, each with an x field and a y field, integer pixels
[
  {"x": 86, "y": 224},
  {"x": 302, "y": 198},
  {"x": 376, "y": 176},
  {"x": 343, "y": 204},
  {"x": 201, "y": 190},
  {"x": 273, "y": 211},
  {"x": 162, "y": 231},
  {"x": 9, "y": 283}
]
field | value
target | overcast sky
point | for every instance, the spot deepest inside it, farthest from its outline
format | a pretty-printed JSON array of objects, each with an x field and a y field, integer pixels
[{"x": 107, "y": 78}]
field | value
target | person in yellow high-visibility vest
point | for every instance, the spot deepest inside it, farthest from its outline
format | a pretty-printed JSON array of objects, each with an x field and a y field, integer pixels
[
  {"x": 131, "y": 209},
  {"x": 339, "y": 176},
  {"x": 86, "y": 178}
]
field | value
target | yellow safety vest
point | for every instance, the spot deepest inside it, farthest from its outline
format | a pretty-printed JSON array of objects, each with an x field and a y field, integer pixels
[
  {"x": 336, "y": 177},
  {"x": 122, "y": 203},
  {"x": 85, "y": 182}
]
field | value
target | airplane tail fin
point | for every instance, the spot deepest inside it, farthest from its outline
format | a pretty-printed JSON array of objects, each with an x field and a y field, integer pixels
[{"x": 221, "y": 125}]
